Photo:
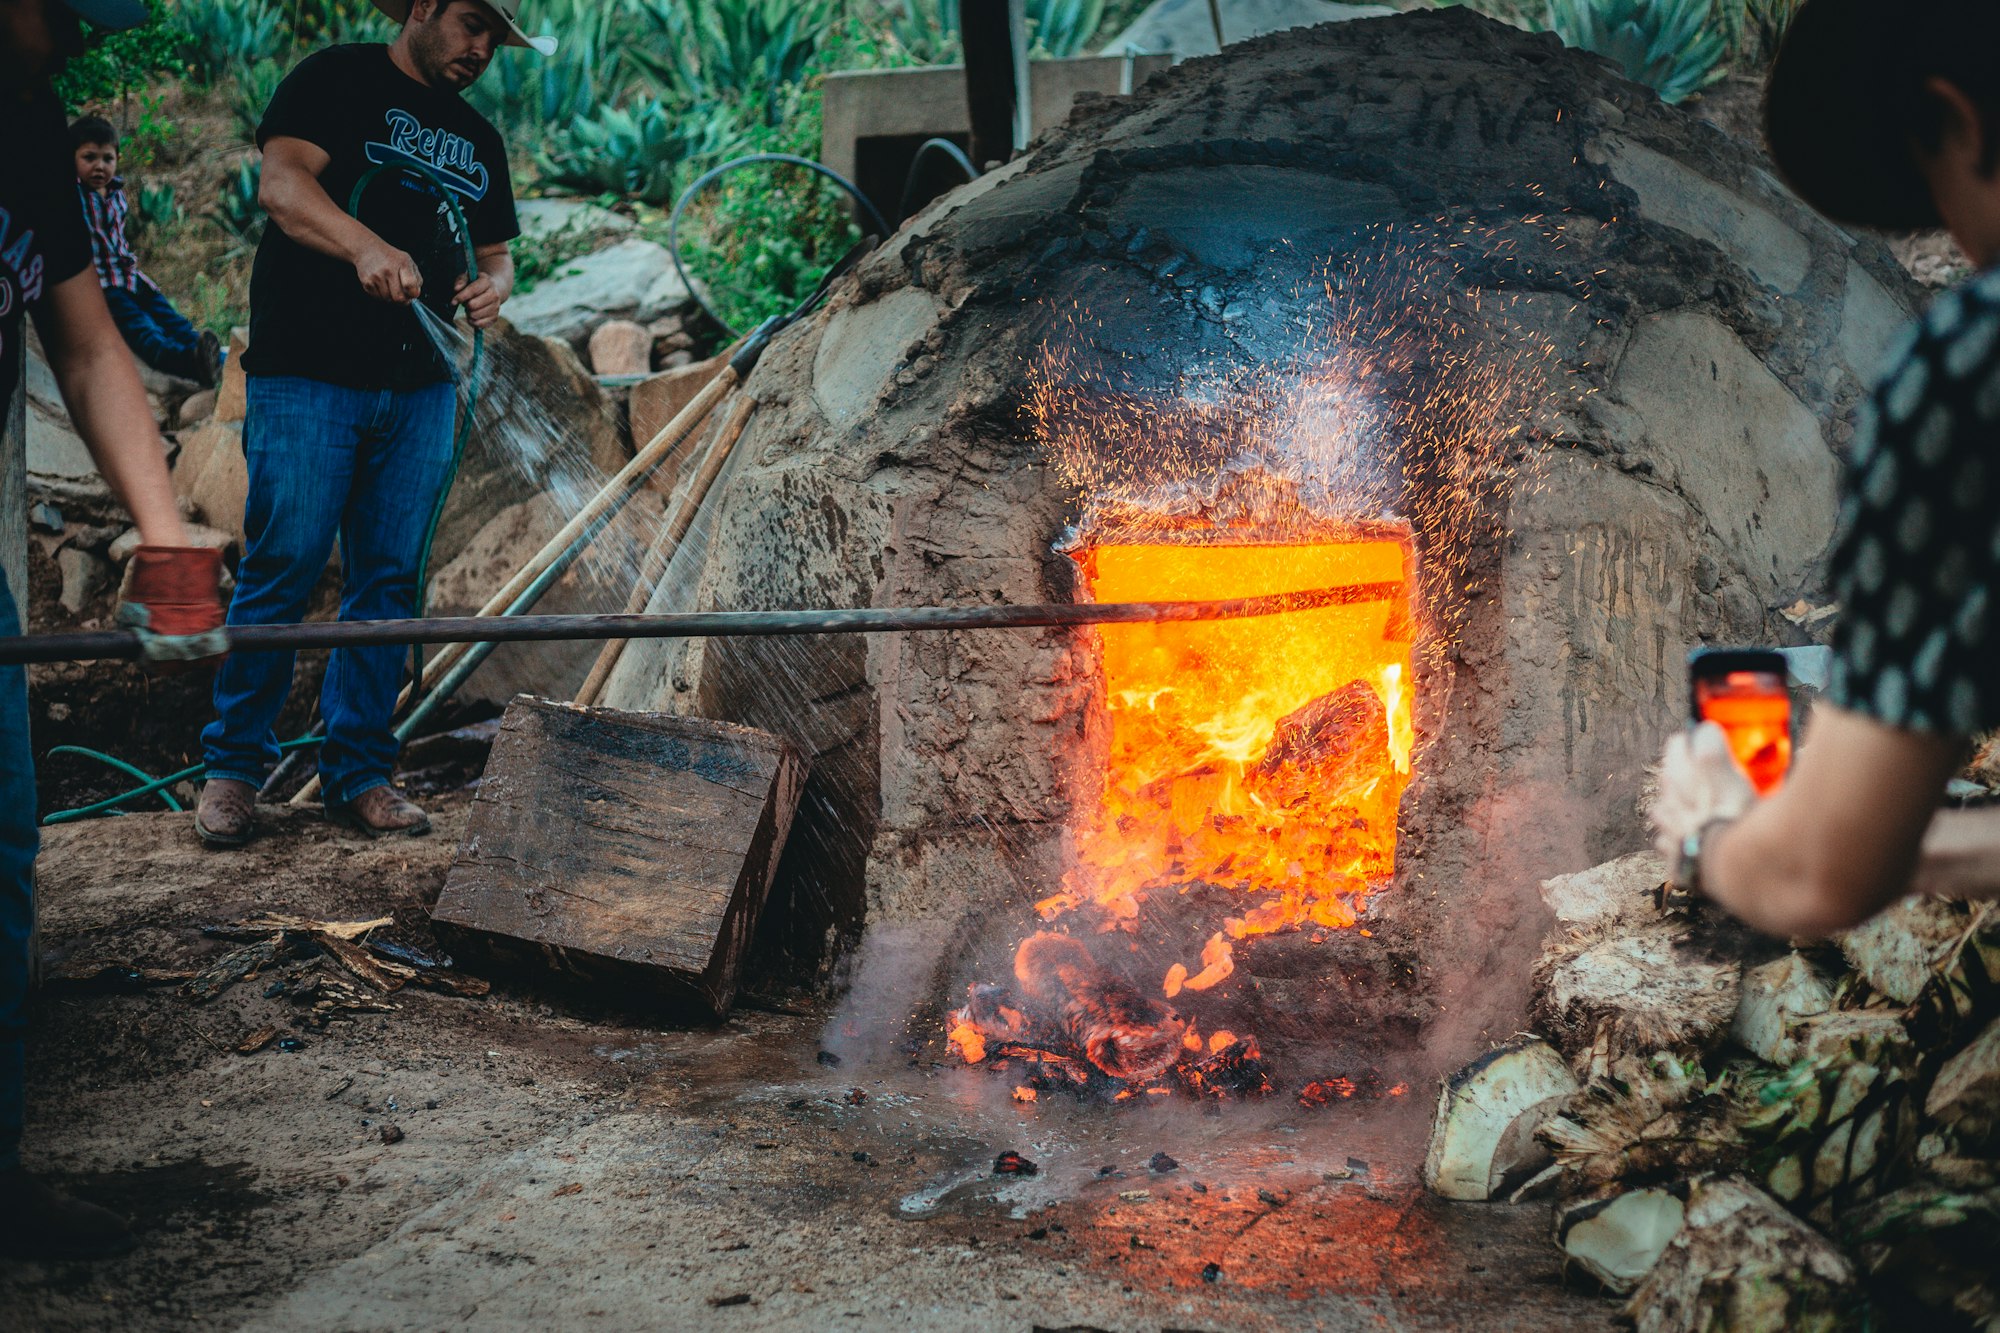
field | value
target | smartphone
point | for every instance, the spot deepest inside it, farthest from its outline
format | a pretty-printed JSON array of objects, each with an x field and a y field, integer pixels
[{"x": 1744, "y": 691}]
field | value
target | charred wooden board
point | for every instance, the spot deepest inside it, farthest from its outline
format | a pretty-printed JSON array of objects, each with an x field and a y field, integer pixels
[{"x": 631, "y": 851}]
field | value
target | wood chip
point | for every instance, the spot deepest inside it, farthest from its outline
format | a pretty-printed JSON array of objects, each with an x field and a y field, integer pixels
[
  {"x": 257, "y": 1041},
  {"x": 233, "y": 967}
]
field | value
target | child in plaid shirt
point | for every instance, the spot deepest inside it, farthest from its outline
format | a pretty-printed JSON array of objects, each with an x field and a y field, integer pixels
[{"x": 156, "y": 332}]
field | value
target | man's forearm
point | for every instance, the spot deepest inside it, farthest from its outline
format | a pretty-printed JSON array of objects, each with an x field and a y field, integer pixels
[
  {"x": 496, "y": 265},
  {"x": 304, "y": 211},
  {"x": 107, "y": 403},
  {"x": 1961, "y": 855}
]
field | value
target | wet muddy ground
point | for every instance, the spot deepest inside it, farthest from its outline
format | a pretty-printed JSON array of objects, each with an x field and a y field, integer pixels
[{"x": 554, "y": 1168}]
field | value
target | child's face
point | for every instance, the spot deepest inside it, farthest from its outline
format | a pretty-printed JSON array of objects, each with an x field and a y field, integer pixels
[{"x": 96, "y": 164}]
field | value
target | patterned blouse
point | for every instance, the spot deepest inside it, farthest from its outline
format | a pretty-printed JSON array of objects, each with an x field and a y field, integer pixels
[{"x": 1917, "y": 560}]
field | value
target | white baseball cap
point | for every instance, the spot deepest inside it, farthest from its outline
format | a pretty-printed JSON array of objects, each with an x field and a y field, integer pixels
[{"x": 399, "y": 10}]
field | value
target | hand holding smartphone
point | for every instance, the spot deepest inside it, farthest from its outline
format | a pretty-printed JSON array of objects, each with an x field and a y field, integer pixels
[{"x": 1744, "y": 691}]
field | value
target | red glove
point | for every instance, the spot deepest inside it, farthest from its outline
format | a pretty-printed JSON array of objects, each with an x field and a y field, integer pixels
[{"x": 172, "y": 598}]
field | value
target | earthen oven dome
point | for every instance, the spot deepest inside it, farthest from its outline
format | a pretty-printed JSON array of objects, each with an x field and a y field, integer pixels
[{"x": 1710, "y": 336}]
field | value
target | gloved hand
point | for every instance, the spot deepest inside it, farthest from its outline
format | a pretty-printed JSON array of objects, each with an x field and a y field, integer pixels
[
  {"x": 1700, "y": 784},
  {"x": 173, "y": 598}
]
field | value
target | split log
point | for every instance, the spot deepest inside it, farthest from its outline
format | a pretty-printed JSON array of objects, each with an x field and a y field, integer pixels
[
  {"x": 1742, "y": 1264},
  {"x": 1646, "y": 1121},
  {"x": 1645, "y": 990},
  {"x": 1827, "y": 1131},
  {"x": 1929, "y": 1250},
  {"x": 1618, "y": 1236},
  {"x": 632, "y": 851},
  {"x": 1483, "y": 1140},
  {"x": 1901, "y": 949},
  {"x": 1625, "y": 891},
  {"x": 1776, "y": 998},
  {"x": 1965, "y": 1096}
]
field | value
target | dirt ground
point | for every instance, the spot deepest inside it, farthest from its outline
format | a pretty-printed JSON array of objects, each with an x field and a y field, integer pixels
[{"x": 563, "y": 1168}]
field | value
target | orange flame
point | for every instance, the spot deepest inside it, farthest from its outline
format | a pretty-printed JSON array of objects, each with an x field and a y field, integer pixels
[{"x": 1264, "y": 755}]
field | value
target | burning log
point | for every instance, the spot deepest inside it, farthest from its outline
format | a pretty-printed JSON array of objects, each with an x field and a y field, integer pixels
[
  {"x": 1124, "y": 1033},
  {"x": 1235, "y": 1069},
  {"x": 1618, "y": 1236},
  {"x": 1487, "y": 1116},
  {"x": 1643, "y": 990},
  {"x": 1334, "y": 731},
  {"x": 1739, "y": 1263}
]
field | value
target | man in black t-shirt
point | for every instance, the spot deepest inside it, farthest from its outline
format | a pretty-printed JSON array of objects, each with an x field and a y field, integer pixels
[
  {"x": 1891, "y": 121},
  {"x": 349, "y": 426},
  {"x": 45, "y": 270}
]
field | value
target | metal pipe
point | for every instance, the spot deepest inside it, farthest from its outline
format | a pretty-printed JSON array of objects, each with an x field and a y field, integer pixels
[{"x": 117, "y": 644}]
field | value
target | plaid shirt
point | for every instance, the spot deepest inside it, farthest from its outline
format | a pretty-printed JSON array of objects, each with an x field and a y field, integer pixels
[{"x": 105, "y": 215}]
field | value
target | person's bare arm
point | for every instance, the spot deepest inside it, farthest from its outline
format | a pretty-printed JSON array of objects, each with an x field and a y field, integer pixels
[
  {"x": 483, "y": 296},
  {"x": 1840, "y": 840},
  {"x": 291, "y": 193},
  {"x": 1961, "y": 855},
  {"x": 100, "y": 386}
]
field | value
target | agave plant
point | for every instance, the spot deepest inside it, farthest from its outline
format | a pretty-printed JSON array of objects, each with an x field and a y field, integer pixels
[
  {"x": 236, "y": 210},
  {"x": 1670, "y": 45},
  {"x": 633, "y": 151},
  {"x": 227, "y": 37},
  {"x": 928, "y": 30},
  {"x": 1060, "y": 28},
  {"x": 525, "y": 91},
  {"x": 156, "y": 206},
  {"x": 743, "y": 51},
  {"x": 255, "y": 86}
]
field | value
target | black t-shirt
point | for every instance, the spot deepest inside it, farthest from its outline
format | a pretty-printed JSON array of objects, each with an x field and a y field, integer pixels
[
  {"x": 1917, "y": 562},
  {"x": 42, "y": 237},
  {"x": 308, "y": 314}
]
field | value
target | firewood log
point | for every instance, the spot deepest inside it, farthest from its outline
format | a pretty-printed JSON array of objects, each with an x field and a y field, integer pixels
[
  {"x": 1742, "y": 1264},
  {"x": 1647, "y": 990},
  {"x": 1617, "y": 1236},
  {"x": 1483, "y": 1139}
]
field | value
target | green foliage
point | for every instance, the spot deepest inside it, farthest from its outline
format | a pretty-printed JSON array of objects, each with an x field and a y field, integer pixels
[
  {"x": 634, "y": 151},
  {"x": 526, "y": 93},
  {"x": 149, "y": 135},
  {"x": 759, "y": 238},
  {"x": 253, "y": 91},
  {"x": 156, "y": 207},
  {"x": 928, "y": 30},
  {"x": 236, "y": 210},
  {"x": 227, "y": 37},
  {"x": 1757, "y": 27},
  {"x": 115, "y": 63},
  {"x": 747, "y": 52},
  {"x": 1672, "y": 46}
]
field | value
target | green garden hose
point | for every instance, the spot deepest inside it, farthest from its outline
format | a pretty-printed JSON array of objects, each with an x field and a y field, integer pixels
[{"x": 152, "y": 785}]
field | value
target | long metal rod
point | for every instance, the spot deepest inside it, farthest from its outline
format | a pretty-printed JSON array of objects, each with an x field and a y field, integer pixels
[{"x": 115, "y": 644}]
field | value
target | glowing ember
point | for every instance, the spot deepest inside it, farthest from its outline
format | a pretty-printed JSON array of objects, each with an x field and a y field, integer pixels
[
  {"x": 1266, "y": 756},
  {"x": 1248, "y": 775}
]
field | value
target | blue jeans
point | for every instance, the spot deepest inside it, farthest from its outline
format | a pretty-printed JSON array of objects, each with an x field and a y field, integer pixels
[
  {"x": 160, "y": 335},
  {"x": 366, "y": 465},
  {"x": 18, "y": 842}
]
